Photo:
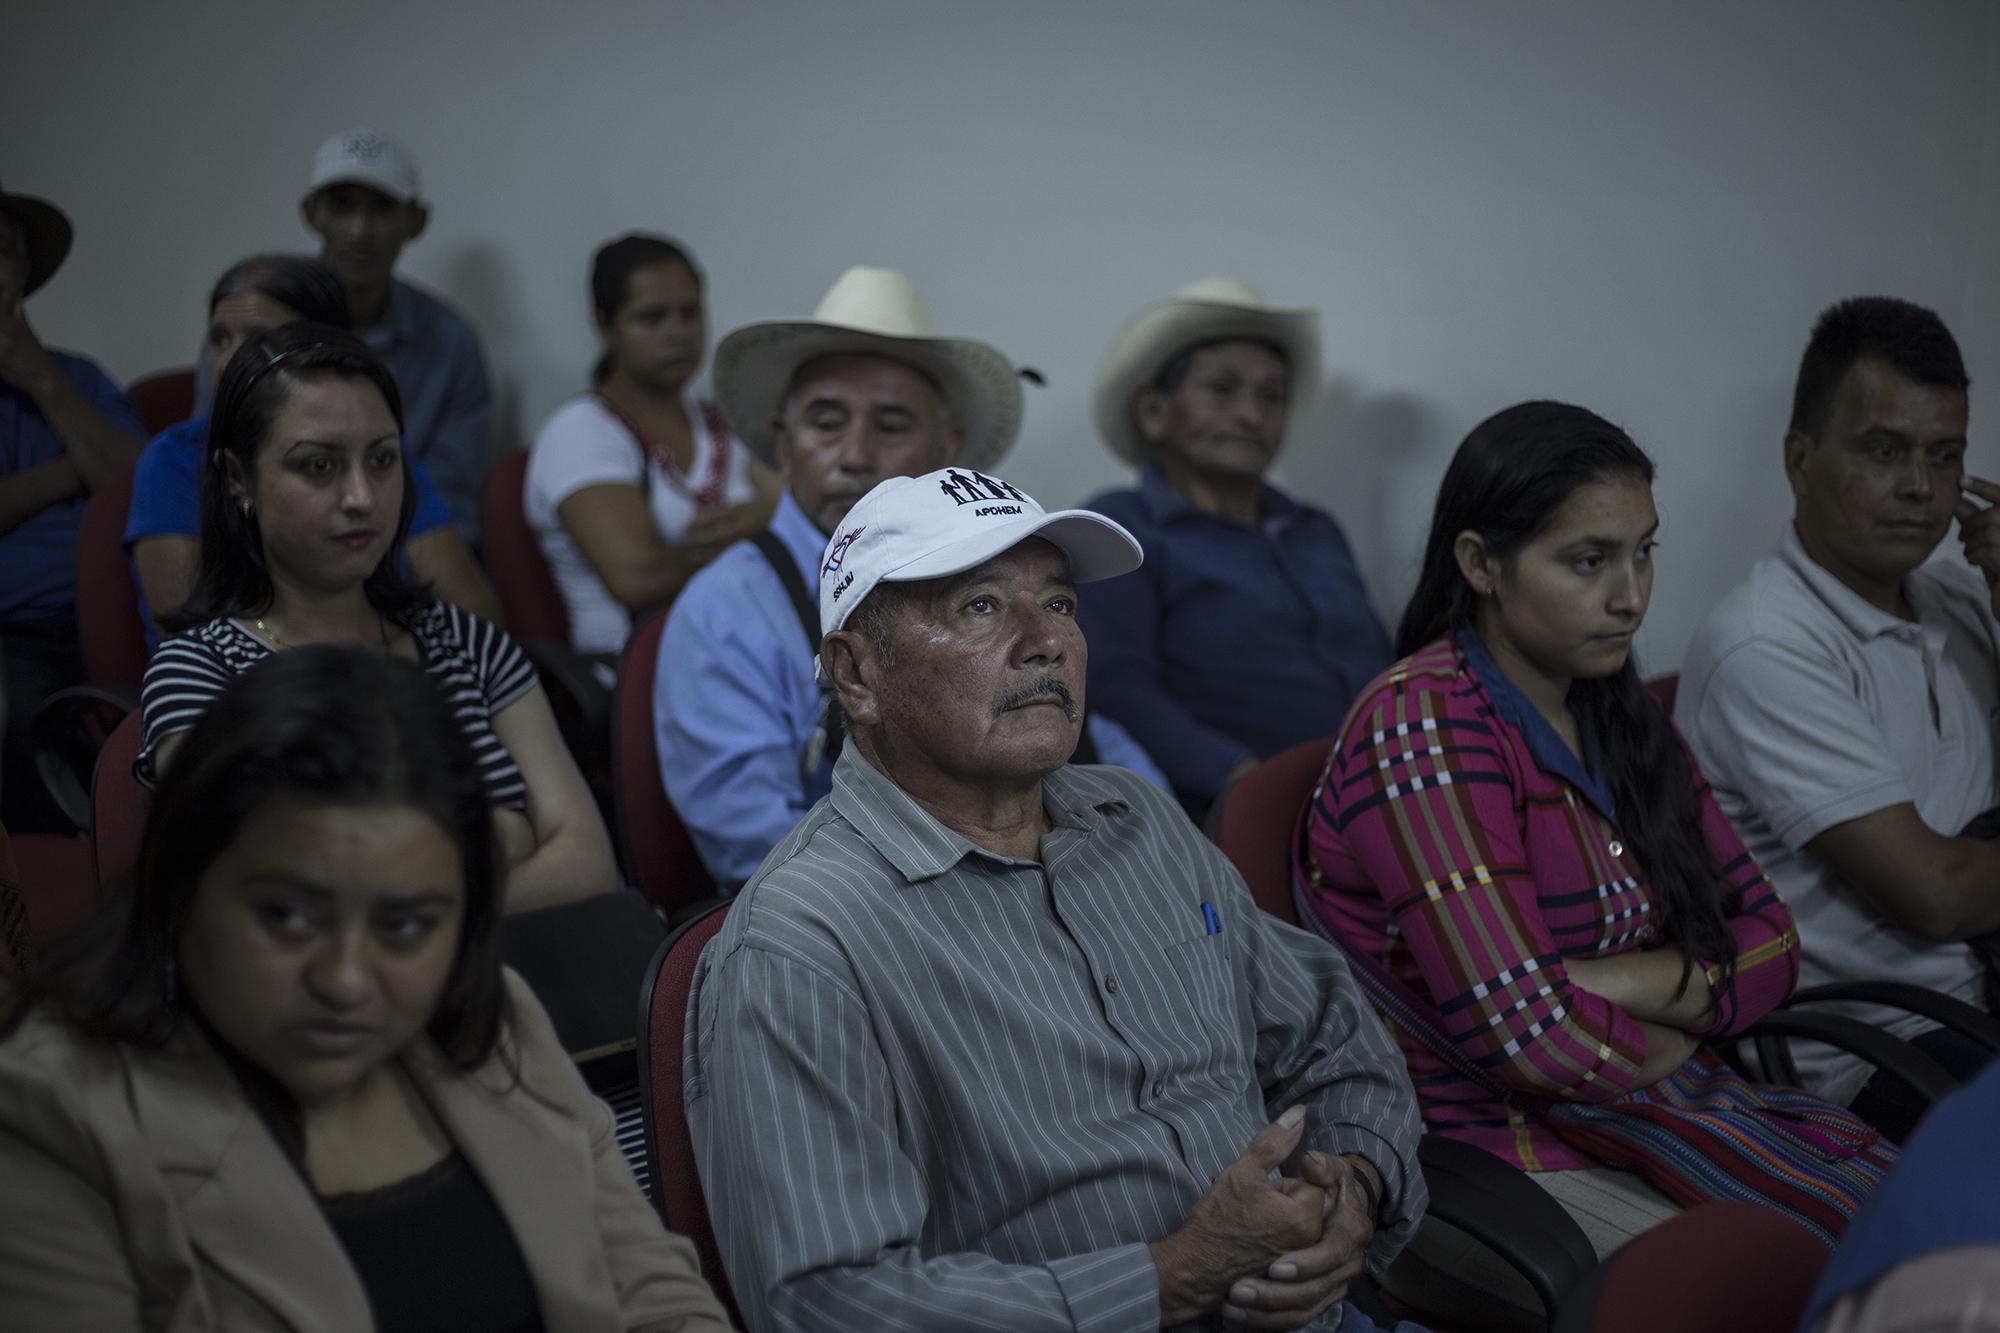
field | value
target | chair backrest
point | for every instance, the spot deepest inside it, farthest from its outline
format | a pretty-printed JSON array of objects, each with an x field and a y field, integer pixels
[
  {"x": 119, "y": 802},
  {"x": 52, "y": 874},
  {"x": 1739, "y": 1266},
  {"x": 1260, "y": 817},
  {"x": 660, "y": 857},
  {"x": 107, "y": 602},
  {"x": 669, "y": 1146},
  {"x": 529, "y": 598},
  {"x": 1665, "y": 688},
  {"x": 164, "y": 398}
]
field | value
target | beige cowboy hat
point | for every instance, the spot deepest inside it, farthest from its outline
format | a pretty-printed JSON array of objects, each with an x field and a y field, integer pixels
[
  {"x": 45, "y": 233},
  {"x": 1206, "y": 311},
  {"x": 874, "y": 312}
]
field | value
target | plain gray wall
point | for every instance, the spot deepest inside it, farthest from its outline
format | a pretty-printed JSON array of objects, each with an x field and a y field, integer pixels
[{"x": 1637, "y": 208}]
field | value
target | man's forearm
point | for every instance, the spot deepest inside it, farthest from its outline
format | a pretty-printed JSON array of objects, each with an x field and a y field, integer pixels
[
  {"x": 97, "y": 447},
  {"x": 28, "y": 492}
]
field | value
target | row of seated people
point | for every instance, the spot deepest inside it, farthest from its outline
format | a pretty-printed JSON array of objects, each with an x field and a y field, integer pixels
[{"x": 1034, "y": 1056}]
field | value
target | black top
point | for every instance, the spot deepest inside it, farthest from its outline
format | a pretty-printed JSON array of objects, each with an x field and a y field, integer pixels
[{"x": 434, "y": 1252}]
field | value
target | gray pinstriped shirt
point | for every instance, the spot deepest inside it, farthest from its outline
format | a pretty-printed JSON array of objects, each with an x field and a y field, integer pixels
[{"x": 934, "y": 1088}]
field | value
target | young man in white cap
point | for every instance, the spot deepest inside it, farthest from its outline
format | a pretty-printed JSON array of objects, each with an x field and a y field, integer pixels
[
  {"x": 1248, "y": 631},
  {"x": 993, "y": 1040},
  {"x": 364, "y": 204},
  {"x": 65, "y": 430},
  {"x": 860, "y": 392}
]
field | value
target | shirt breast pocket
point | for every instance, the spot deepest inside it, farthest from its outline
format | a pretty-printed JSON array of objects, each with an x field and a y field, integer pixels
[{"x": 1208, "y": 1011}]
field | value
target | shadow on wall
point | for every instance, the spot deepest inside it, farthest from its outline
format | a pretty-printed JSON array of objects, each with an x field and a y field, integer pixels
[
  {"x": 1373, "y": 461},
  {"x": 479, "y": 281}
]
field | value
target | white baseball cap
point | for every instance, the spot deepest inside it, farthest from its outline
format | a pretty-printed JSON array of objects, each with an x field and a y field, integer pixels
[
  {"x": 949, "y": 521},
  {"x": 365, "y": 157}
]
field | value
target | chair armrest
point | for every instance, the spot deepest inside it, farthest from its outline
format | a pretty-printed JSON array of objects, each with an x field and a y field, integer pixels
[
  {"x": 1498, "y": 1206},
  {"x": 1925, "y": 1076},
  {"x": 1947, "y": 1011},
  {"x": 65, "y": 734}
]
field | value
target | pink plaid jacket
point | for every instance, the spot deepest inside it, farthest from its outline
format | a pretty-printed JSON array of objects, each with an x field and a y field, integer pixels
[{"x": 1439, "y": 846}]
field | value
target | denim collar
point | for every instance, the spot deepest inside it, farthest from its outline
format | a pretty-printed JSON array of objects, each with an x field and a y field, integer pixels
[
  {"x": 1168, "y": 504},
  {"x": 1549, "y": 751}
]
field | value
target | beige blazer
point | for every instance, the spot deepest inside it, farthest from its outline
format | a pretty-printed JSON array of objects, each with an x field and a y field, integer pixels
[{"x": 139, "y": 1190}]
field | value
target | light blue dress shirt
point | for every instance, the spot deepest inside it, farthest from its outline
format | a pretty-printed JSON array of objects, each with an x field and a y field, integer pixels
[{"x": 734, "y": 703}]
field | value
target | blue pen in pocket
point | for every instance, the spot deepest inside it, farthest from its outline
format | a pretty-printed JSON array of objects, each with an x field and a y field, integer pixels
[{"x": 1212, "y": 921}]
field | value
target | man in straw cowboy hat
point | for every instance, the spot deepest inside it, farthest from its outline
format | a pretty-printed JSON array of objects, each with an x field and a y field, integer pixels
[
  {"x": 861, "y": 391},
  {"x": 65, "y": 430},
  {"x": 993, "y": 1040},
  {"x": 1248, "y": 629}
]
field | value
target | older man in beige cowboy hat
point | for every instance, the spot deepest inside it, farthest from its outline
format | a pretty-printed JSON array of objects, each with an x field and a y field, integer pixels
[
  {"x": 862, "y": 391},
  {"x": 65, "y": 430},
  {"x": 1247, "y": 630}
]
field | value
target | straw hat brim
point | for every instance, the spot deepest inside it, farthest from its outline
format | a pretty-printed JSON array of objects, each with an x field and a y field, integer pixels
[
  {"x": 754, "y": 365},
  {"x": 46, "y": 232},
  {"x": 1161, "y": 331}
]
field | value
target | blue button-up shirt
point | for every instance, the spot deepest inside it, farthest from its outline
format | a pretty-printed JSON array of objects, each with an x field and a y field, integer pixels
[
  {"x": 447, "y": 406},
  {"x": 38, "y": 555},
  {"x": 735, "y": 702},
  {"x": 1231, "y": 641}
]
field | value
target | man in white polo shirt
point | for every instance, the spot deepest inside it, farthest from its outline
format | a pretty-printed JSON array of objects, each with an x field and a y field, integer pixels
[{"x": 1843, "y": 699}]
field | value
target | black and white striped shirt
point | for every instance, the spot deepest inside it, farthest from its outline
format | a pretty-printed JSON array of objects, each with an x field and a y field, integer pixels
[
  {"x": 931, "y": 1087},
  {"x": 477, "y": 666}
]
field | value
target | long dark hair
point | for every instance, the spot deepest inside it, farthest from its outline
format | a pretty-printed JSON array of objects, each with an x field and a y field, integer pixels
[
  {"x": 326, "y": 723},
  {"x": 232, "y": 578},
  {"x": 306, "y": 287},
  {"x": 1505, "y": 483},
  {"x": 611, "y": 270}
]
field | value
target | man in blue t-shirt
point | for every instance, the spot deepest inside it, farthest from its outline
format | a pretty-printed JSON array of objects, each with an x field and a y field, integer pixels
[{"x": 65, "y": 429}]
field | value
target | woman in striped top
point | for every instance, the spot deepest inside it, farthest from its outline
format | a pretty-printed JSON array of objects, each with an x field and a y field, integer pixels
[
  {"x": 1513, "y": 841},
  {"x": 306, "y": 505}
]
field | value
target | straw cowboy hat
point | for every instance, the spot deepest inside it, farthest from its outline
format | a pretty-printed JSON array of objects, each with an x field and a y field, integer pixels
[
  {"x": 1210, "y": 310},
  {"x": 44, "y": 231},
  {"x": 869, "y": 312}
]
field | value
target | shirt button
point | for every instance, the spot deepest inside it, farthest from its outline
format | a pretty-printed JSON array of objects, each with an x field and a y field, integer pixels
[
  {"x": 1159, "y": 1086},
  {"x": 1616, "y": 848},
  {"x": 1111, "y": 984}
]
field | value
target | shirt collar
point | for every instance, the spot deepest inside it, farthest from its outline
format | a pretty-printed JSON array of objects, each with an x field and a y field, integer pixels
[
  {"x": 1549, "y": 751},
  {"x": 801, "y": 537},
  {"x": 398, "y": 324},
  {"x": 921, "y": 848},
  {"x": 1167, "y": 504},
  {"x": 1861, "y": 619}
]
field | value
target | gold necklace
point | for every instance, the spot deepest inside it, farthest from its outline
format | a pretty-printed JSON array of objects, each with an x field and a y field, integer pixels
[{"x": 381, "y": 627}]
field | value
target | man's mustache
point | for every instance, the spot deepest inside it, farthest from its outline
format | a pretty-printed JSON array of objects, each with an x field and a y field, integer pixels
[{"x": 1037, "y": 689}]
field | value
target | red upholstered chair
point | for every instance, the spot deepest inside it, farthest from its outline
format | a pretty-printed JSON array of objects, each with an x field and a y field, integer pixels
[
  {"x": 107, "y": 601},
  {"x": 54, "y": 878},
  {"x": 668, "y": 1144},
  {"x": 162, "y": 399},
  {"x": 1737, "y": 1266},
  {"x": 1260, "y": 816},
  {"x": 660, "y": 857},
  {"x": 528, "y": 594},
  {"x": 119, "y": 802}
]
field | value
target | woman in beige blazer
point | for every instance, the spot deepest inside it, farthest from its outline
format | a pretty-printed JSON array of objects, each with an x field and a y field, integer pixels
[{"x": 286, "y": 1083}]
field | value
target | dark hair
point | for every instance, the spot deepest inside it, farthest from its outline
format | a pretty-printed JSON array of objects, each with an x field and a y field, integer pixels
[
  {"x": 232, "y": 578},
  {"x": 1171, "y": 375},
  {"x": 306, "y": 287},
  {"x": 1911, "y": 340},
  {"x": 611, "y": 270},
  {"x": 1505, "y": 483},
  {"x": 326, "y": 723}
]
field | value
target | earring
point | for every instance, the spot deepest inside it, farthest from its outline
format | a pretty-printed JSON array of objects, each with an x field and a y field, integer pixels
[{"x": 244, "y": 505}]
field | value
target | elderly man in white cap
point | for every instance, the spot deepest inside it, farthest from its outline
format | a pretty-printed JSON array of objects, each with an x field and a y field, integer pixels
[
  {"x": 1248, "y": 630},
  {"x": 363, "y": 202},
  {"x": 65, "y": 430},
  {"x": 862, "y": 391},
  {"x": 996, "y": 1041}
]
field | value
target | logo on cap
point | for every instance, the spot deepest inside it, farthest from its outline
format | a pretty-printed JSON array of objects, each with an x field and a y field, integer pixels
[
  {"x": 366, "y": 147},
  {"x": 839, "y": 551},
  {"x": 977, "y": 488}
]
